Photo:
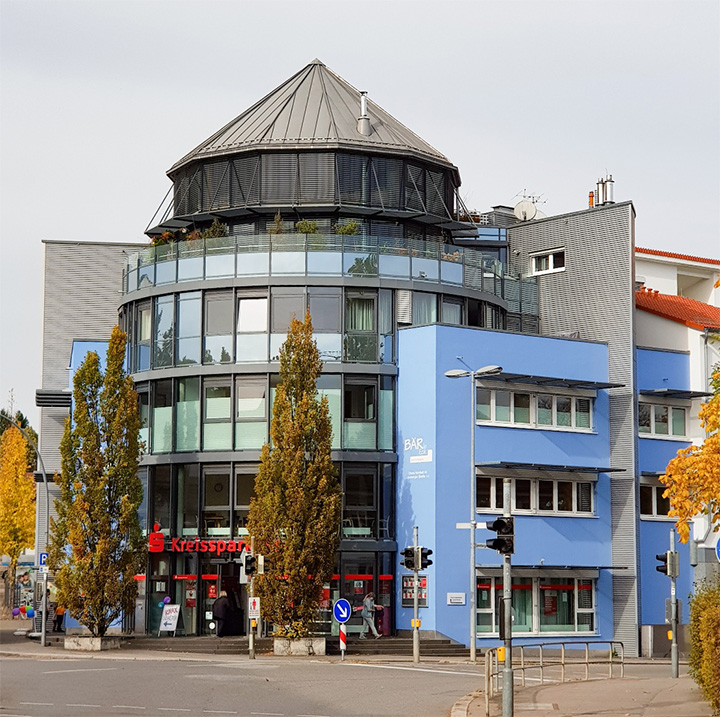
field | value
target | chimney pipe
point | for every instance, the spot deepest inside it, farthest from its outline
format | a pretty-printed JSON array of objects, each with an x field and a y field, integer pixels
[
  {"x": 600, "y": 192},
  {"x": 591, "y": 199},
  {"x": 363, "y": 125},
  {"x": 609, "y": 189}
]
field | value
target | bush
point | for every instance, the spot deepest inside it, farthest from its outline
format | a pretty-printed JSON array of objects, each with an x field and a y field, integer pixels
[
  {"x": 349, "y": 228},
  {"x": 305, "y": 226},
  {"x": 705, "y": 640}
]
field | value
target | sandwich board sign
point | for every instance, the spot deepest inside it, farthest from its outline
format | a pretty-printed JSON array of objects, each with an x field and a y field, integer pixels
[{"x": 169, "y": 619}]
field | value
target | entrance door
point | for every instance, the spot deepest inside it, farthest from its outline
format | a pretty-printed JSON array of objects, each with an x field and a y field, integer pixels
[{"x": 218, "y": 578}]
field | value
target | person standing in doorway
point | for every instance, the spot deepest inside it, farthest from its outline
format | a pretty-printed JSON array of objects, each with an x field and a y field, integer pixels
[
  {"x": 222, "y": 612},
  {"x": 368, "y": 615}
]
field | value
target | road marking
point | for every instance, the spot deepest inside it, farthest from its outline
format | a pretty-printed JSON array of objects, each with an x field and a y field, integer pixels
[
  {"x": 173, "y": 709},
  {"x": 128, "y": 707},
  {"x": 82, "y": 669},
  {"x": 77, "y": 704},
  {"x": 414, "y": 669},
  {"x": 269, "y": 714},
  {"x": 218, "y": 712},
  {"x": 5, "y": 714},
  {"x": 39, "y": 704}
]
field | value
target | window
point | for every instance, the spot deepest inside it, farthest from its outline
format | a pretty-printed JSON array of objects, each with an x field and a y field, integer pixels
[
  {"x": 187, "y": 419},
  {"x": 161, "y": 497},
  {"x": 661, "y": 420},
  {"x": 250, "y": 413},
  {"x": 143, "y": 336},
  {"x": 216, "y": 502},
  {"x": 359, "y": 502},
  {"x": 218, "y": 328},
  {"x": 548, "y": 262},
  {"x": 217, "y": 416},
  {"x": 452, "y": 311},
  {"x": 424, "y": 308},
  {"x": 534, "y": 410},
  {"x": 329, "y": 385},
  {"x": 325, "y": 305},
  {"x": 244, "y": 493},
  {"x": 164, "y": 323},
  {"x": 188, "y": 481},
  {"x": 652, "y": 503},
  {"x": 557, "y": 604},
  {"x": 538, "y": 496},
  {"x": 360, "y": 333},
  {"x": 359, "y": 413},
  {"x": 189, "y": 332},
  {"x": 252, "y": 329},
  {"x": 162, "y": 417}
]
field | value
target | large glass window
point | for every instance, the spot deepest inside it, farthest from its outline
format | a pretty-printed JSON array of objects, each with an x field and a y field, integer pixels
[
  {"x": 385, "y": 324},
  {"x": 162, "y": 417},
  {"x": 252, "y": 329},
  {"x": 329, "y": 385},
  {"x": 537, "y": 495},
  {"x": 359, "y": 429},
  {"x": 251, "y": 413},
  {"x": 360, "y": 334},
  {"x": 244, "y": 493},
  {"x": 161, "y": 497},
  {"x": 188, "y": 481},
  {"x": 218, "y": 328},
  {"x": 189, "y": 329},
  {"x": 216, "y": 502},
  {"x": 424, "y": 308},
  {"x": 217, "y": 415},
  {"x": 164, "y": 337},
  {"x": 360, "y": 509},
  {"x": 143, "y": 336},
  {"x": 187, "y": 415},
  {"x": 553, "y": 604},
  {"x": 144, "y": 406},
  {"x": 661, "y": 420},
  {"x": 385, "y": 414}
]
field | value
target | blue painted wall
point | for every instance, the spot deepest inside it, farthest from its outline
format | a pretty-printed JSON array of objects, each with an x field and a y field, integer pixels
[
  {"x": 662, "y": 369},
  {"x": 435, "y": 493}
]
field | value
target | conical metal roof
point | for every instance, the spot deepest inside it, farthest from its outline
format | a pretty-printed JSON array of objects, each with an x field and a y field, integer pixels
[{"x": 314, "y": 108}]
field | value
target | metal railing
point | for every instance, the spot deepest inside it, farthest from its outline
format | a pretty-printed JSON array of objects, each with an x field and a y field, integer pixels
[{"x": 566, "y": 665}]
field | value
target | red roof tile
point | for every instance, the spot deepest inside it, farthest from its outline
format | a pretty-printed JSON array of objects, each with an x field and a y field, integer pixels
[
  {"x": 685, "y": 257},
  {"x": 678, "y": 308}
]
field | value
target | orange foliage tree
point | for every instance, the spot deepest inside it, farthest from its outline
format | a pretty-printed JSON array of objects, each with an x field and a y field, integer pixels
[{"x": 693, "y": 476}]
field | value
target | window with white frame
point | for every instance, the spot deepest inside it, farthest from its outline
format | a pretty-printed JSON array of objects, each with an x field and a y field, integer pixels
[
  {"x": 555, "y": 603},
  {"x": 547, "y": 262},
  {"x": 661, "y": 420},
  {"x": 534, "y": 410},
  {"x": 652, "y": 503},
  {"x": 537, "y": 495}
]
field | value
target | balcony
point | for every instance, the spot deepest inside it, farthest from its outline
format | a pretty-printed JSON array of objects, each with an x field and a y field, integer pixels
[{"x": 313, "y": 255}]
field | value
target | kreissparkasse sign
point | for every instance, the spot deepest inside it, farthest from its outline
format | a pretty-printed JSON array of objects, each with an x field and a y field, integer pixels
[{"x": 157, "y": 543}]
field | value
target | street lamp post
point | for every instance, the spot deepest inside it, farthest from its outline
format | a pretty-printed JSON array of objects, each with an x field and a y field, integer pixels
[{"x": 462, "y": 373}]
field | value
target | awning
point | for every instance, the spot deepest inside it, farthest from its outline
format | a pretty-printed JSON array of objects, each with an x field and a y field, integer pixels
[
  {"x": 674, "y": 393},
  {"x": 521, "y": 466},
  {"x": 550, "y": 381}
]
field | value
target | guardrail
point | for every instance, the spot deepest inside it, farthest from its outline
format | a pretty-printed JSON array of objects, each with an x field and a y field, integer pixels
[{"x": 554, "y": 656}]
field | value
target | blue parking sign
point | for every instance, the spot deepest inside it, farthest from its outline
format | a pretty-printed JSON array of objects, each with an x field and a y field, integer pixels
[
  {"x": 342, "y": 610},
  {"x": 43, "y": 559}
]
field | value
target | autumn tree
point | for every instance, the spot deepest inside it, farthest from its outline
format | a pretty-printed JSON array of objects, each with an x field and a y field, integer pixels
[
  {"x": 17, "y": 499},
  {"x": 295, "y": 514},
  {"x": 7, "y": 419},
  {"x": 693, "y": 476},
  {"x": 96, "y": 546}
]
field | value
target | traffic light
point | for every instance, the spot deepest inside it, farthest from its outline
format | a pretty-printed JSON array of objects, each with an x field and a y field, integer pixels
[
  {"x": 505, "y": 542},
  {"x": 669, "y": 564},
  {"x": 250, "y": 565},
  {"x": 409, "y": 557},
  {"x": 425, "y": 561}
]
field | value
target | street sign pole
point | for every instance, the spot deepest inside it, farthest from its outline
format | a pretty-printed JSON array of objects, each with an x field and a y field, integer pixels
[
  {"x": 674, "y": 610},
  {"x": 416, "y": 598},
  {"x": 251, "y": 633},
  {"x": 343, "y": 640},
  {"x": 507, "y": 695}
]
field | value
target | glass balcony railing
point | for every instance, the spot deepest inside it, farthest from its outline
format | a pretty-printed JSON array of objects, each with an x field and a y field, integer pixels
[{"x": 313, "y": 255}]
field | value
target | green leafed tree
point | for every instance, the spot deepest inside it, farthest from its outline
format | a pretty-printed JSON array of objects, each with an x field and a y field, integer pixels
[
  {"x": 295, "y": 514},
  {"x": 97, "y": 545}
]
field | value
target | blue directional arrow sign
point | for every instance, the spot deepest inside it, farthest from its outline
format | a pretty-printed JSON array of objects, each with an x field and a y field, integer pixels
[
  {"x": 342, "y": 610},
  {"x": 717, "y": 549}
]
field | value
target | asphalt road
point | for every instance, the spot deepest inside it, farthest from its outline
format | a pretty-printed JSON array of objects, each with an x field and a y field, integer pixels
[{"x": 266, "y": 687}]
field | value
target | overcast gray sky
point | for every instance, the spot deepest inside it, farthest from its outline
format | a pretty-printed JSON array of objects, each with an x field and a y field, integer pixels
[{"x": 98, "y": 98}]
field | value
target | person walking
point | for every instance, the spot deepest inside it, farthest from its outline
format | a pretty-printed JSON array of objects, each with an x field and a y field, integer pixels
[
  {"x": 368, "y": 615},
  {"x": 222, "y": 612},
  {"x": 58, "y": 621}
]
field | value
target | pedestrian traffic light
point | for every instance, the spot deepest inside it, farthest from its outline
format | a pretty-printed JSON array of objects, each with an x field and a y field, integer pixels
[
  {"x": 409, "y": 557},
  {"x": 250, "y": 565},
  {"x": 425, "y": 561},
  {"x": 505, "y": 542},
  {"x": 669, "y": 564}
]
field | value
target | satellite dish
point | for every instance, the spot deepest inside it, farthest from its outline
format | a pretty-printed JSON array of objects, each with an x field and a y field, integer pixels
[{"x": 525, "y": 210}]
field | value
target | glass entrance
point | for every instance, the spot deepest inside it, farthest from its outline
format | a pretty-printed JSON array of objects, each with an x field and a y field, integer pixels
[{"x": 216, "y": 579}]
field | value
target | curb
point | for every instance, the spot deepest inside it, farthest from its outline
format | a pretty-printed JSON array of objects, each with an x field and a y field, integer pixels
[{"x": 461, "y": 707}]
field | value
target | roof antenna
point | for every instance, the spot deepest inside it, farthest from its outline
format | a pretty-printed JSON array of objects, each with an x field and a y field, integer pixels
[{"x": 363, "y": 124}]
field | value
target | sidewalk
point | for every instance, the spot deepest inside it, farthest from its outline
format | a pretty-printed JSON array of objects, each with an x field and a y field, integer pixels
[{"x": 627, "y": 697}]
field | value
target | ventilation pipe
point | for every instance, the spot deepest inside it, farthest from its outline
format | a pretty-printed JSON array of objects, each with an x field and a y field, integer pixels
[
  {"x": 591, "y": 200},
  {"x": 604, "y": 192},
  {"x": 609, "y": 190},
  {"x": 363, "y": 120}
]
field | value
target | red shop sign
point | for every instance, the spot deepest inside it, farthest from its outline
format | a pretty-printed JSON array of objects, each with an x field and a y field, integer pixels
[{"x": 156, "y": 544}]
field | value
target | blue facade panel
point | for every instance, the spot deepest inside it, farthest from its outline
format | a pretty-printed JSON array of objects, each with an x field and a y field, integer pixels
[
  {"x": 655, "y": 453},
  {"x": 434, "y": 469},
  {"x": 662, "y": 369}
]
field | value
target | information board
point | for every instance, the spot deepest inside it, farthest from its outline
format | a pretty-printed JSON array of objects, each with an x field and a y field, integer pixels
[{"x": 408, "y": 591}]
